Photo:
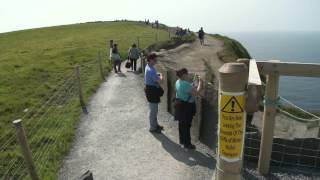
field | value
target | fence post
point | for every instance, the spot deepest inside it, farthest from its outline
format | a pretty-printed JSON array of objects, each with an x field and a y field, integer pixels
[
  {"x": 25, "y": 149},
  {"x": 111, "y": 43},
  {"x": 231, "y": 130},
  {"x": 157, "y": 36},
  {"x": 83, "y": 105},
  {"x": 138, "y": 42},
  {"x": 100, "y": 65},
  {"x": 271, "y": 97},
  {"x": 142, "y": 63}
]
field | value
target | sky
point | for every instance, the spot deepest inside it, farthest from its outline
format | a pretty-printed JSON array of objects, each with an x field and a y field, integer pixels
[{"x": 213, "y": 15}]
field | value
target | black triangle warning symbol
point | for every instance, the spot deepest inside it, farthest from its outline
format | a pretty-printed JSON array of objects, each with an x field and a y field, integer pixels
[{"x": 232, "y": 106}]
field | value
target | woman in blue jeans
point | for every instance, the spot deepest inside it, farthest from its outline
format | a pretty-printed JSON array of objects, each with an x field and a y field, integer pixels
[
  {"x": 185, "y": 107},
  {"x": 153, "y": 92},
  {"x": 116, "y": 59}
]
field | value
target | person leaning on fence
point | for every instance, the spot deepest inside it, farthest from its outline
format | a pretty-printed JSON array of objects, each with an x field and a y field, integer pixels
[
  {"x": 153, "y": 92},
  {"x": 116, "y": 59},
  {"x": 185, "y": 107},
  {"x": 134, "y": 55},
  {"x": 201, "y": 36}
]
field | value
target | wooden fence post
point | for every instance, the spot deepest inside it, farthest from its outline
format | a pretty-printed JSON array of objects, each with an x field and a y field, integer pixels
[
  {"x": 111, "y": 43},
  {"x": 83, "y": 105},
  {"x": 157, "y": 36},
  {"x": 25, "y": 149},
  {"x": 271, "y": 98},
  {"x": 100, "y": 65},
  {"x": 231, "y": 130},
  {"x": 142, "y": 63}
]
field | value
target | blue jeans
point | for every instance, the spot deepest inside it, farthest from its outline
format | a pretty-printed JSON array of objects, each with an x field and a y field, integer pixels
[{"x": 153, "y": 112}]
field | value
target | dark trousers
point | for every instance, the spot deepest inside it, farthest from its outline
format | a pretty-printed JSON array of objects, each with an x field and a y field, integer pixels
[
  {"x": 133, "y": 64},
  {"x": 184, "y": 131},
  {"x": 249, "y": 119},
  {"x": 117, "y": 63}
]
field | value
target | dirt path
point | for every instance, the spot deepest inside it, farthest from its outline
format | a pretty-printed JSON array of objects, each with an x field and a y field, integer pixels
[
  {"x": 192, "y": 56},
  {"x": 113, "y": 141}
]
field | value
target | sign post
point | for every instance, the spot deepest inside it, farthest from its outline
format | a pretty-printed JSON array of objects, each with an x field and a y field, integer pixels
[{"x": 233, "y": 79}]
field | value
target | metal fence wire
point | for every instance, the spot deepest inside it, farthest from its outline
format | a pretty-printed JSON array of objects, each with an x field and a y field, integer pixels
[{"x": 45, "y": 124}]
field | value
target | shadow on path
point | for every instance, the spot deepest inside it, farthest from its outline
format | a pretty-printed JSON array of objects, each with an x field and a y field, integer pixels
[
  {"x": 188, "y": 157},
  {"x": 133, "y": 72},
  {"x": 121, "y": 74}
]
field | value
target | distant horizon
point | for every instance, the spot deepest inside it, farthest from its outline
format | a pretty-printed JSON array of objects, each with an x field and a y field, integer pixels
[
  {"x": 129, "y": 20},
  {"x": 214, "y": 15}
]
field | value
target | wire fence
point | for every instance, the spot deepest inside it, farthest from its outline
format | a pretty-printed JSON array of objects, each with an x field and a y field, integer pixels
[
  {"x": 47, "y": 125},
  {"x": 297, "y": 156},
  {"x": 294, "y": 155}
]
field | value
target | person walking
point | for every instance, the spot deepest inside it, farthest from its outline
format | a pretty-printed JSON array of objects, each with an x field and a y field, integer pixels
[
  {"x": 116, "y": 59},
  {"x": 185, "y": 107},
  {"x": 134, "y": 54},
  {"x": 153, "y": 92},
  {"x": 201, "y": 36}
]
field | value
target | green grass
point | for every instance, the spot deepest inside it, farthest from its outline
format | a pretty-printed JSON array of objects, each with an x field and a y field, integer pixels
[
  {"x": 32, "y": 64},
  {"x": 232, "y": 49}
]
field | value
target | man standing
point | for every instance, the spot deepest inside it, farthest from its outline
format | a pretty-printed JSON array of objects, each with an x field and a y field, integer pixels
[
  {"x": 201, "y": 36},
  {"x": 153, "y": 92},
  {"x": 134, "y": 55}
]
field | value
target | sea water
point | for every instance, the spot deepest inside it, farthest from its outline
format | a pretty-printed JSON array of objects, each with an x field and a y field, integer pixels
[{"x": 303, "y": 47}]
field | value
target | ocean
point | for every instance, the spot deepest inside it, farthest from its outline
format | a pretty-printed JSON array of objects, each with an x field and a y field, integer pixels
[{"x": 301, "y": 47}]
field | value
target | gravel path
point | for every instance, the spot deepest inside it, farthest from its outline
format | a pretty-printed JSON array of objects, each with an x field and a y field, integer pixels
[{"x": 113, "y": 140}]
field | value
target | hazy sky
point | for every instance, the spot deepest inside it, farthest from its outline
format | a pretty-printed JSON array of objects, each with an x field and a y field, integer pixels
[{"x": 213, "y": 15}]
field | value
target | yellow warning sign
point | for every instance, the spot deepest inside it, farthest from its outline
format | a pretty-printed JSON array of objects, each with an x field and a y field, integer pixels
[
  {"x": 232, "y": 106},
  {"x": 231, "y": 125}
]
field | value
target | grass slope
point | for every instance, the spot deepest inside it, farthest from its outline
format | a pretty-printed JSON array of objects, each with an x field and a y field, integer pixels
[
  {"x": 33, "y": 62},
  {"x": 232, "y": 49}
]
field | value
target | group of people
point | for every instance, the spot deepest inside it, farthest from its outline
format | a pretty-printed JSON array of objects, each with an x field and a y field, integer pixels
[
  {"x": 154, "y": 25},
  {"x": 182, "y": 32},
  {"x": 184, "y": 102},
  {"x": 186, "y": 90},
  {"x": 115, "y": 58}
]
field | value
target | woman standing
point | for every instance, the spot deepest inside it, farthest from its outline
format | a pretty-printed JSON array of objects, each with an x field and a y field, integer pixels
[
  {"x": 134, "y": 54},
  {"x": 185, "y": 107},
  {"x": 115, "y": 57}
]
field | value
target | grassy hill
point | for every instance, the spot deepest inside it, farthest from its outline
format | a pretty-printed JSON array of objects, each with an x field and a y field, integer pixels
[
  {"x": 33, "y": 63},
  {"x": 232, "y": 49}
]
